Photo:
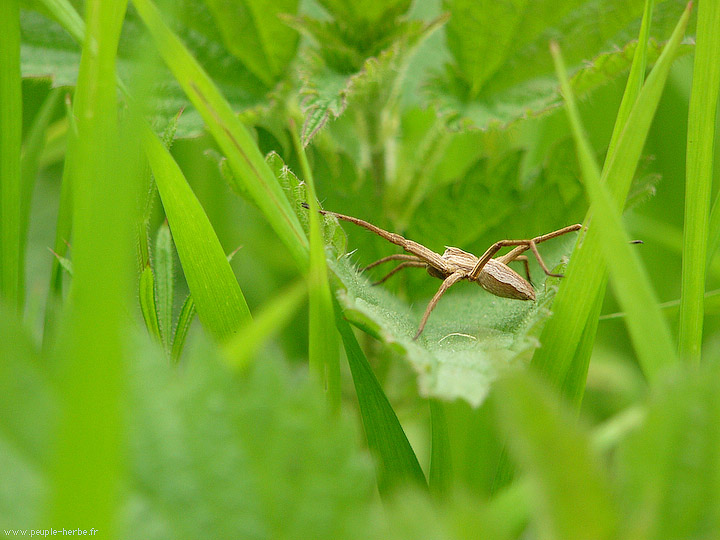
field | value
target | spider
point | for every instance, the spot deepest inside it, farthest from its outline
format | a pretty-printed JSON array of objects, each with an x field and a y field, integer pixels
[{"x": 492, "y": 274}]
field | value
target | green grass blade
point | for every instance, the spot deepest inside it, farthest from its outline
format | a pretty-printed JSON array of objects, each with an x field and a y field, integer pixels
[
  {"x": 10, "y": 145},
  {"x": 635, "y": 78},
  {"x": 63, "y": 228},
  {"x": 395, "y": 460},
  {"x": 187, "y": 312},
  {"x": 29, "y": 165},
  {"x": 586, "y": 271},
  {"x": 148, "y": 306},
  {"x": 231, "y": 135},
  {"x": 66, "y": 15},
  {"x": 648, "y": 330},
  {"x": 323, "y": 347},
  {"x": 164, "y": 283},
  {"x": 698, "y": 184},
  {"x": 218, "y": 299},
  {"x": 277, "y": 313},
  {"x": 88, "y": 453},
  {"x": 441, "y": 473},
  {"x": 558, "y": 461}
]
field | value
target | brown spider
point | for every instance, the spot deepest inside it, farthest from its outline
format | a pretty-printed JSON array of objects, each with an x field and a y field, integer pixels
[{"x": 493, "y": 275}]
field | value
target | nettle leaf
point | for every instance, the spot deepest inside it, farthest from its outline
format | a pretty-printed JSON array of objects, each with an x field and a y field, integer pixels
[
  {"x": 470, "y": 339},
  {"x": 370, "y": 12},
  {"x": 502, "y": 70},
  {"x": 254, "y": 33},
  {"x": 48, "y": 51},
  {"x": 339, "y": 72}
]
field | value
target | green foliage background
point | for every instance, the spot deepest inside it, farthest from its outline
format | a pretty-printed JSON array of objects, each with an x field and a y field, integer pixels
[{"x": 142, "y": 144}]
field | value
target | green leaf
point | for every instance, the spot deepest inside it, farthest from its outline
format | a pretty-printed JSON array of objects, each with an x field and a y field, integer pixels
[
  {"x": 48, "y": 52},
  {"x": 187, "y": 312},
  {"x": 441, "y": 473},
  {"x": 585, "y": 276},
  {"x": 148, "y": 305},
  {"x": 275, "y": 315},
  {"x": 254, "y": 33},
  {"x": 337, "y": 74},
  {"x": 281, "y": 465},
  {"x": 231, "y": 135},
  {"x": 395, "y": 461},
  {"x": 365, "y": 12},
  {"x": 648, "y": 330},
  {"x": 29, "y": 399},
  {"x": 470, "y": 339},
  {"x": 11, "y": 228},
  {"x": 557, "y": 459},
  {"x": 677, "y": 448},
  {"x": 218, "y": 299},
  {"x": 501, "y": 70},
  {"x": 698, "y": 185},
  {"x": 164, "y": 284},
  {"x": 87, "y": 460}
]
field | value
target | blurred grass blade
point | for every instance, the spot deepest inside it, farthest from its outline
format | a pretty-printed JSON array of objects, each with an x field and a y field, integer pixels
[
  {"x": 66, "y": 15},
  {"x": 148, "y": 305},
  {"x": 571, "y": 496},
  {"x": 164, "y": 284},
  {"x": 218, "y": 299},
  {"x": 586, "y": 271},
  {"x": 635, "y": 78},
  {"x": 699, "y": 177},
  {"x": 323, "y": 347},
  {"x": 88, "y": 449},
  {"x": 231, "y": 135},
  {"x": 274, "y": 316},
  {"x": 395, "y": 460},
  {"x": 187, "y": 312},
  {"x": 10, "y": 147},
  {"x": 648, "y": 330},
  {"x": 29, "y": 165},
  {"x": 441, "y": 472},
  {"x": 63, "y": 228}
]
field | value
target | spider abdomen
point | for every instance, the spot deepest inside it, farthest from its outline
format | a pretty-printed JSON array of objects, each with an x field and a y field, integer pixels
[{"x": 501, "y": 280}]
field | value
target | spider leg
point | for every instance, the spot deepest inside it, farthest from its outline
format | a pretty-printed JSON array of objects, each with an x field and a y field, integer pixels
[
  {"x": 406, "y": 264},
  {"x": 426, "y": 254},
  {"x": 524, "y": 260},
  {"x": 522, "y": 245},
  {"x": 449, "y": 281},
  {"x": 396, "y": 257}
]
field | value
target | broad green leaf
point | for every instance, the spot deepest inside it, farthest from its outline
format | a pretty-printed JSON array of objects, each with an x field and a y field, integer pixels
[
  {"x": 650, "y": 335},
  {"x": 676, "y": 447},
  {"x": 216, "y": 294},
  {"x": 208, "y": 451},
  {"x": 231, "y": 135},
  {"x": 28, "y": 402},
  {"x": 501, "y": 70},
  {"x": 164, "y": 284},
  {"x": 471, "y": 337},
  {"x": 47, "y": 51},
  {"x": 570, "y": 492},
  {"x": 365, "y": 12},
  {"x": 698, "y": 185},
  {"x": 11, "y": 227},
  {"x": 254, "y": 33},
  {"x": 395, "y": 462},
  {"x": 339, "y": 73}
]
